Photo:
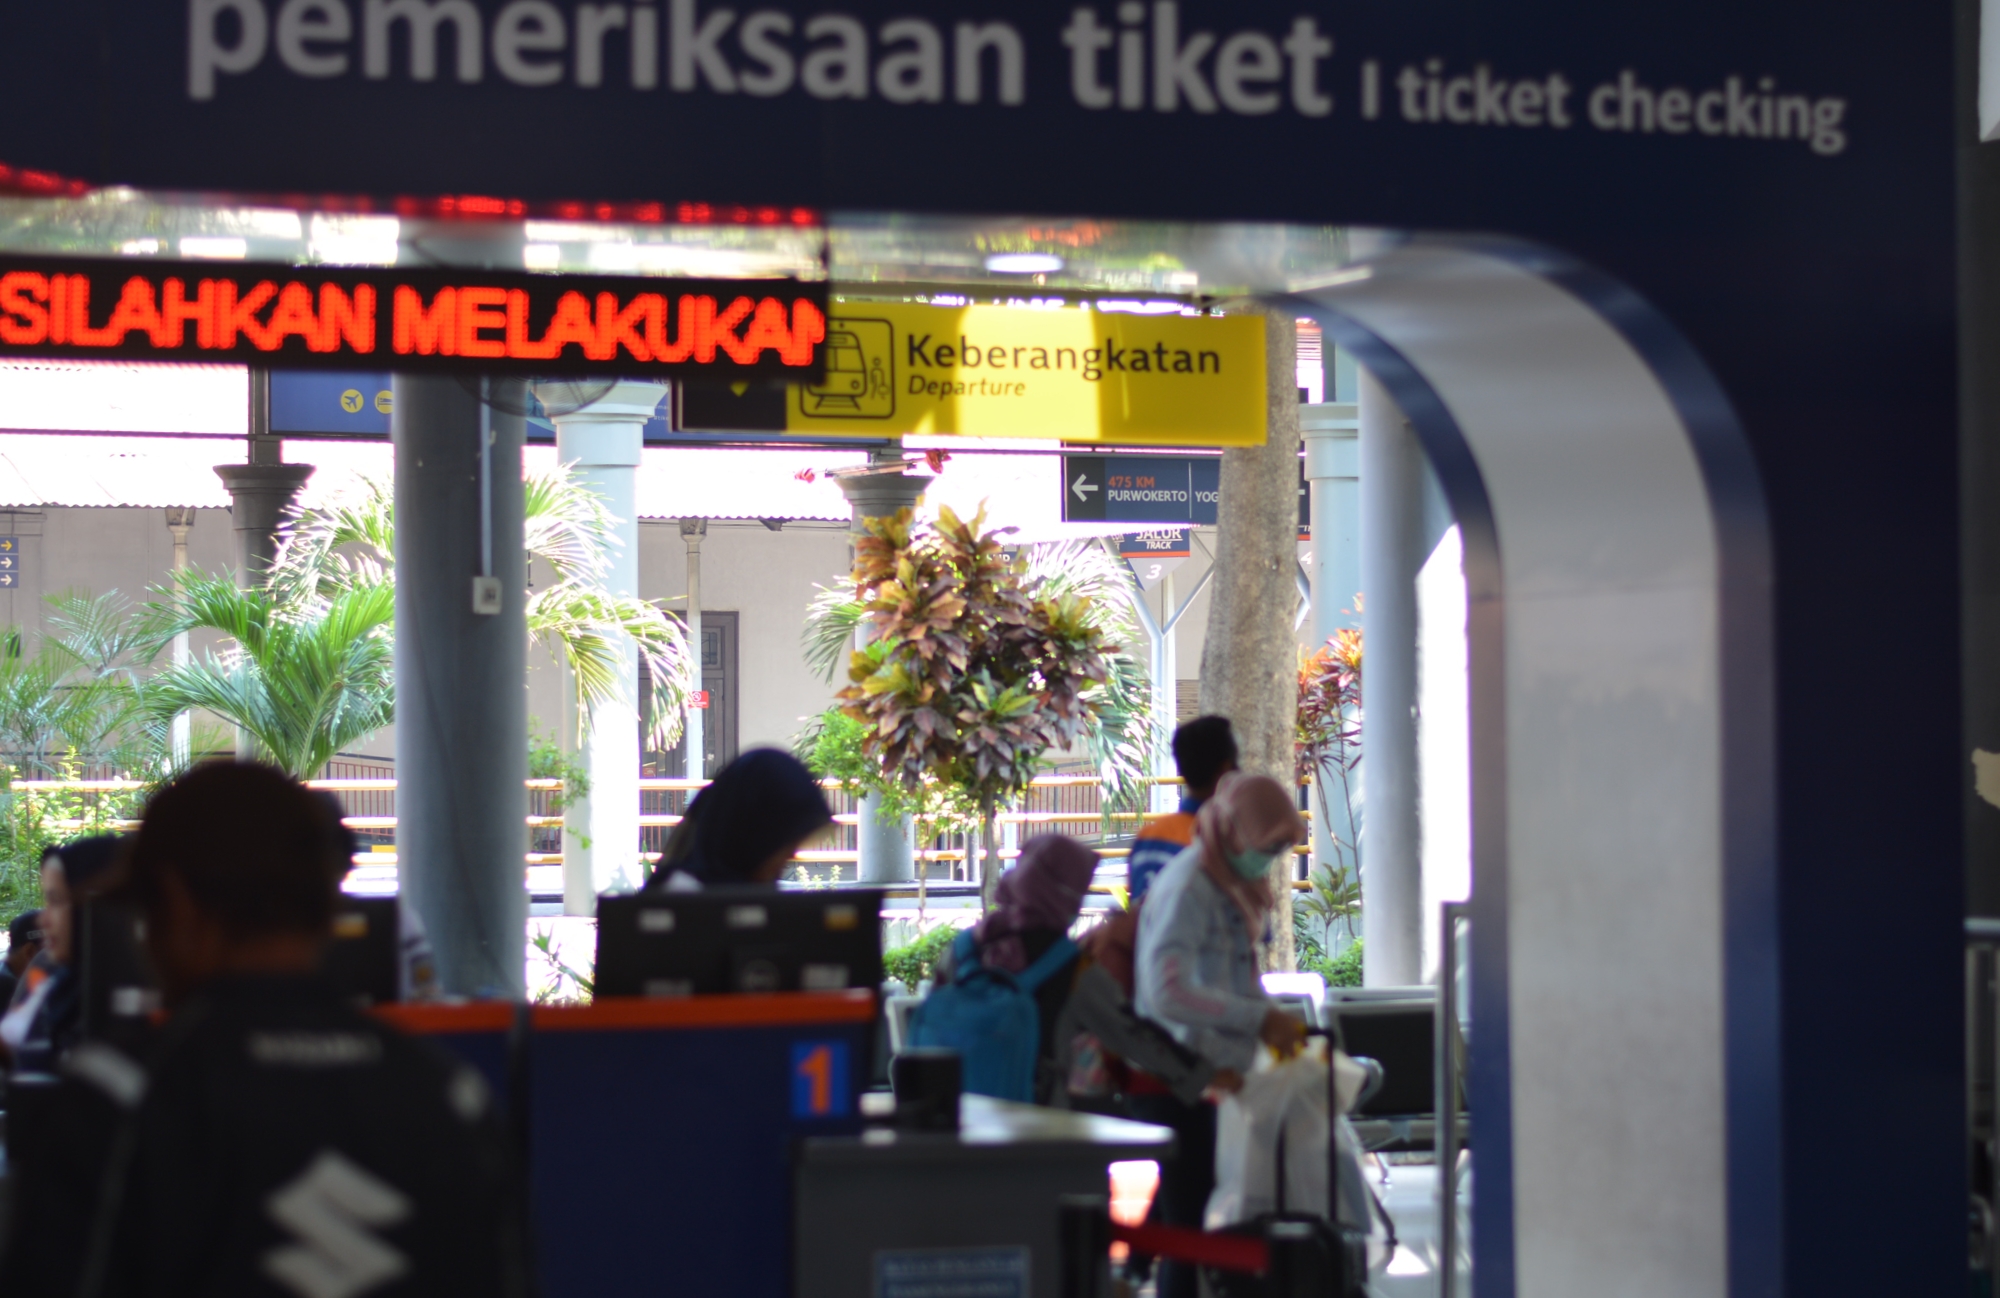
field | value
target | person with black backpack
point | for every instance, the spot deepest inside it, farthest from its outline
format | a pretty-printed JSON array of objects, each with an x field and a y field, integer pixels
[{"x": 274, "y": 1139}]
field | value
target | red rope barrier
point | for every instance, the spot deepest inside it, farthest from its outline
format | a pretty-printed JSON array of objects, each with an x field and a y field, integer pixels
[{"x": 1229, "y": 1252}]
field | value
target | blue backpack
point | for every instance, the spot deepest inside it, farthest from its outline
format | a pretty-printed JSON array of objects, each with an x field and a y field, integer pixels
[{"x": 990, "y": 1018}]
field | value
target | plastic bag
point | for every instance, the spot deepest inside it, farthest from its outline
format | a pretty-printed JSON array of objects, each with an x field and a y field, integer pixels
[{"x": 1280, "y": 1108}]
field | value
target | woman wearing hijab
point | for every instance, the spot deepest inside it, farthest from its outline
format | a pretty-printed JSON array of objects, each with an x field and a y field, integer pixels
[
  {"x": 1198, "y": 975},
  {"x": 745, "y": 827},
  {"x": 1034, "y": 905}
]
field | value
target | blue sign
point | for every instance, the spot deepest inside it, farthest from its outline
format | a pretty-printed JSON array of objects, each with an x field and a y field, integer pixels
[
  {"x": 334, "y": 404},
  {"x": 821, "y": 1087},
  {"x": 9, "y": 579},
  {"x": 952, "y": 1273},
  {"x": 357, "y": 405}
]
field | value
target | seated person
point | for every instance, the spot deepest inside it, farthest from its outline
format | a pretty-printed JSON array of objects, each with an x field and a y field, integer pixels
[
  {"x": 24, "y": 943},
  {"x": 41, "y": 1024},
  {"x": 278, "y": 1140},
  {"x": 1083, "y": 1012},
  {"x": 745, "y": 827}
]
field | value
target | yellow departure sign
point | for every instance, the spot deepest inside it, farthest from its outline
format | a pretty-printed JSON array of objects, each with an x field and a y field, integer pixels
[{"x": 1070, "y": 373}]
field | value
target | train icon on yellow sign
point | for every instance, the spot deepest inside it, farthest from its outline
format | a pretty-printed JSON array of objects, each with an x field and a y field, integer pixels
[{"x": 860, "y": 380}]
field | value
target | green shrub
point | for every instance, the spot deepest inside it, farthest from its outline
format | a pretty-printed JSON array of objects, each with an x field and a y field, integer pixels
[
  {"x": 1343, "y": 970},
  {"x": 912, "y": 963}
]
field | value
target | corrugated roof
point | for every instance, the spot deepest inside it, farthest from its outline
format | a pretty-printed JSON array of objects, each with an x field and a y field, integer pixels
[{"x": 55, "y": 465}]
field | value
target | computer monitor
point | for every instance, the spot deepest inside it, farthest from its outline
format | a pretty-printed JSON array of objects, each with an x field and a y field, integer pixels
[
  {"x": 1399, "y": 1035},
  {"x": 117, "y": 992},
  {"x": 363, "y": 960},
  {"x": 738, "y": 940}
]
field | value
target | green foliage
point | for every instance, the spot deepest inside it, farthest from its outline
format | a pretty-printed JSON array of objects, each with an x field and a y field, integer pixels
[
  {"x": 77, "y": 700},
  {"x": 32, "y": 819},
  {"x": 1327, "y": 749},
  {"x": 1115, "y": 728},
  {"x": 970, "y": 676},
  {"x": 350, "y": 543},
  {"x": 1343, "y": 970},
  {"x": 548, "y": 761},
  {"x": 1334, "y": 898},
  {"x": 833, "y": 747},
  {"x": 913, "y": 962},
  {"x": 580, "y": 989},
  {"x": 305, "y": 677}
]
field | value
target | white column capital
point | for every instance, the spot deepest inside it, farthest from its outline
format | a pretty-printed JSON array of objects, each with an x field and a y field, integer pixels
[
  {"x": 609, "y": 430},
  {"x": 1331, "y": 432}
]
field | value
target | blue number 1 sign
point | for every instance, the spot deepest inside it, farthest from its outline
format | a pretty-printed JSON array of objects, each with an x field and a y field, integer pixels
[{"x": 819, "y": 1079}]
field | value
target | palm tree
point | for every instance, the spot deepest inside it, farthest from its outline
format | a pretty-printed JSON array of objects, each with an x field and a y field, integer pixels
[
  {"x": 351, "y": 542},
  {"x": 311, "y": 669},
  {"x": 305, "y": 678}
]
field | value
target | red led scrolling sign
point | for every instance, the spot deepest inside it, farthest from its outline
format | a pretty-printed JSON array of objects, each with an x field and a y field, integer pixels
[{"x": 393, "y": 319}]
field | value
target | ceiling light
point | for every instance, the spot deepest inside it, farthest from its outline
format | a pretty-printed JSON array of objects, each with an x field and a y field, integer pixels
[
  {"x": 1141, "y": 308},
  {"x": 200, "y": 245},
  {"x": 1023, "y": 263}
]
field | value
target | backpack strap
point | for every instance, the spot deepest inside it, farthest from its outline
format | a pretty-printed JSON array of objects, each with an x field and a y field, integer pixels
[
  {"x": 964, "y": 954},
  {"x": 1052, "y": 959}
]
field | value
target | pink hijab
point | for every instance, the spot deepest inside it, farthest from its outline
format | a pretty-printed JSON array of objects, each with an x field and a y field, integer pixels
[
  {"x": 1044, "y": 890},
  {"x": 1246, "y": 811}
]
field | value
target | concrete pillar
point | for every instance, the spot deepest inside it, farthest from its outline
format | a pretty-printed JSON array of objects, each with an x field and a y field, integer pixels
[
  {"x": 601, "y": 443},
  {"x": 1392, "y": 551},
  {"x": 179, "y": 519},
  {"x": 461, "y": 679},
  {"x": 887, "y": 854},
  {"x": 261, "y": 490},
  {"x": 259, "y": 496},
  {"x": 1333, "y": 471},
  {"x": 693, "y": 532}
]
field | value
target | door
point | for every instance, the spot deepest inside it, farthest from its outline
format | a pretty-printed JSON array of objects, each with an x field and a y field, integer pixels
[{"x": 718, "y": 678}]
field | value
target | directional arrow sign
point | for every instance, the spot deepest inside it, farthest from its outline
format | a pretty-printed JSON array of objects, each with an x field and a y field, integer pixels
[
  {"x": 10, "y": 545},
  {"x": 9, "y": 579},
  {"x": 1150, "y": 489},
  {"x": 7, "y": 562},
  {"x": 1083, "y": 498}
]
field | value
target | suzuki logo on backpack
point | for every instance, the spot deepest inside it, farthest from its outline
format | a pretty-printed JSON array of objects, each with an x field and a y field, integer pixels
[{"x": 329, "y": 1207}]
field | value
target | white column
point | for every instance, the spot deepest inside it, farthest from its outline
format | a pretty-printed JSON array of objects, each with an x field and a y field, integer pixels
[
  {"x": 601, "y": 442},
  {"x": 179, "y": 519},
  {"x": 1333, "y": 470},
  {"x": 693, "y": 532},
  {"x": 1392, "y": 506}
]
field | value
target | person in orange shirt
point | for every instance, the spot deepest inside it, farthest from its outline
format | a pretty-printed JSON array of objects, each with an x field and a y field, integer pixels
[{"x": 1204, "y": 751}]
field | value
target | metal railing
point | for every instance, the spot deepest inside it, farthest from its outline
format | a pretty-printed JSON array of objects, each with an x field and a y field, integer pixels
[{"x": 368, "y": 802}]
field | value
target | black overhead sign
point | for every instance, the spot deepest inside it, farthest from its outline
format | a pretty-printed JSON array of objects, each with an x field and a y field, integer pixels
[
  {"x": 1156, "y": 490},
  {"x": 394, "y": 319}
]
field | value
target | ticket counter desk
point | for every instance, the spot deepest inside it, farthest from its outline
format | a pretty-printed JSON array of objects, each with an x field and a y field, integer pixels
[
  {"x": 660, "y": 1134},
  {"x": 893, "y": 1214}
]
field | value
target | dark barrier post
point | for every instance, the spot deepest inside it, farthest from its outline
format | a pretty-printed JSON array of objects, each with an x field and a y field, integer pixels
[
  {"x": 1085, "y": 1232},
  {"x": 1299, "y": 1263}
]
